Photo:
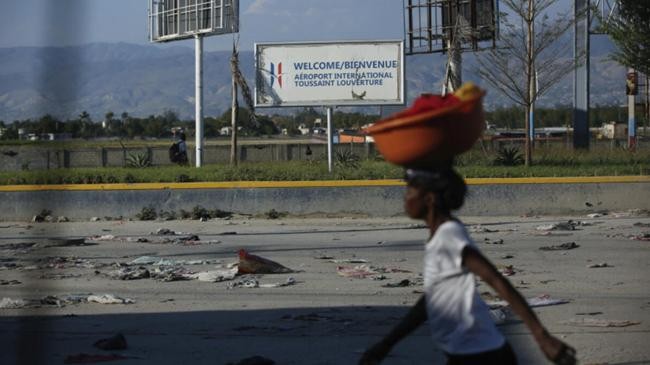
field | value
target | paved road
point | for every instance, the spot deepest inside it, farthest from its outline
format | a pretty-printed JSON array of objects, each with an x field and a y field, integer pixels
[{"x": 324, "y": 318}]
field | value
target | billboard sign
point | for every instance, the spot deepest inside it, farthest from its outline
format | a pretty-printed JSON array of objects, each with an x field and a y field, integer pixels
[
  {"x": 329, "y": 73},
  {"x": 171, "y": 20}
]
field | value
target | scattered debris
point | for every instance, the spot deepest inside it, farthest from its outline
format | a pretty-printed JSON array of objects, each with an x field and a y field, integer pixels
[
  {"x": 145, "y": 260},
  {"x": 216, "y": 275},
  {"x": 640, "y": 224},
  {"x": 349, "y": 261},
  {"x": 255, "y": 360},
  {"x": 562, "y": 226},
  {"x": 596, "y": 266},
  {"x": 62, "y": 219},
  {"x": 117, "y": 342},
  {"x": 61, "y": 262},
  {"x": 160, "y": 261},
  {"x": 324, "y": 257},
  {"x": 171, "y": 273},
  {"x": 401, "y": 284},
  {"x": 64, "y": 242},
  {"x": 594, "y": 322},
  {"x": 245, "y": 282},
  {"x": 506, "y": 270},
  {"x": 252, "y": 264},
  {"x": 480, "y": 229},
  {"x": 546, "y": 281},
  {"x": 184, "y": 240},
  {"x": 9, "y": 282},
  {"x": 130, "y": 273},
  {"x": 539, "y": 301},
  {"x": 641, "y": 237},
  {"x": 44, "y": 216},
  {"x": 19, "y": 246},
  {"x": 109, "y": 299},
  {"x": 137, "y": 239},
  {"x": 290, "y": 281},
  {"x": 95, "y": 219},
  {"x": 588, "y": 313},
  {"x": 596, "y": 215},
  {"x": 229, "y": 233},
  {"x": 632, "y": 213},
  {"x": 359, "y": 271},
  {"x": 560, "y": 247},
  {"x": 8, "y": 303},
  {"x": 490, "y": 242},
  {"x": 93, "y": 358},
  {"x": 273, "y": 214},
  {"x": 250, "y": 282},
  {"x": 105, "y": 237},
  {"x": 505, "y": 257},
  {"x": 166, "y": 232}
]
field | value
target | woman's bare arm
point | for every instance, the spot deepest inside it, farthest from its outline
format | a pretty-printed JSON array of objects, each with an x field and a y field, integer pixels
[{"x": 552, "y": 347}]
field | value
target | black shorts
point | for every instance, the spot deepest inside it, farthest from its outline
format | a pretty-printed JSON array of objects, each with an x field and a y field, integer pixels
[{"x": 501, "y": 356}]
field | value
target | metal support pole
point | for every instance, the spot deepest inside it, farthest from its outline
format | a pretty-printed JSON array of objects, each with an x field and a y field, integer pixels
[
  {"x": 454, "y": 73},
  {"x": 329, "y": 139},
  {"x": 198, "y": 96},
  {"x": 631, "y": 122},
  {"x": 581, "y": 76}
]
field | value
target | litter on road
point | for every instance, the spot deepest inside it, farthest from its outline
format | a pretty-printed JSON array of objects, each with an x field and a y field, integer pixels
[
  {"x": 560, "y": 247},
  {"x": 109, "y": 299},
  {"x": 594, "y": 322},
  {"x": 252, "y": 264},
  {"x": 216, "y": 275},
  {"x": 595, "y": 266}
]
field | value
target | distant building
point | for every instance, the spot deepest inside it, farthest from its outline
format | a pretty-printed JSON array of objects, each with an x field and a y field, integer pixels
[
  {"x": 303, "y": 129},
  {"x": 225, "y": 131},
  {"x": 613, "y": 130}
]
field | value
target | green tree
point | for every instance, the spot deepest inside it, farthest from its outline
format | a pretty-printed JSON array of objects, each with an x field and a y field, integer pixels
[{"x": 630, "y": 31}]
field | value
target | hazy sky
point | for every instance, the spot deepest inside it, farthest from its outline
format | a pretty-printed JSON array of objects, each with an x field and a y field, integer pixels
[{"x": 73, "y": 22}]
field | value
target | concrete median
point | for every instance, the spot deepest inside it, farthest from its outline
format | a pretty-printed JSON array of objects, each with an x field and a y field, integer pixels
[{"x": 487, "y": 197}]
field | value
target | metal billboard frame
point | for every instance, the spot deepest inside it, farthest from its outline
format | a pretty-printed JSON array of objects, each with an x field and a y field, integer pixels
[
  {"x": 433, "y": 24},
  {"x": 402, "y": 73},
  {"x": 171, "y": 20}
]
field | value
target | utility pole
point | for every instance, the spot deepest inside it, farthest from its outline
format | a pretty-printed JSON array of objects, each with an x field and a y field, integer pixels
[
  {"x": 581, "y": 75},
  {"x": 198, "y": 96},
  {"x": 233, "y": 123}
]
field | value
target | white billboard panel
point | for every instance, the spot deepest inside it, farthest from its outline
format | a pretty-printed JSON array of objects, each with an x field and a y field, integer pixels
[{"x": 329, "y": 73}]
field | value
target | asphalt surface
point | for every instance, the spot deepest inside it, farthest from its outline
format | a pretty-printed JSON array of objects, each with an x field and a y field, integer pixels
[{"x": 324, "y": 318}]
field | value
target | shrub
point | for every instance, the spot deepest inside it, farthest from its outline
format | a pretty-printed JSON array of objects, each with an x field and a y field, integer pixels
[
  {"x": 509, "y": 156},
  {"x": 347, "y": 159},
  {"x": 138, "y": 160},
  {"x": 147, "y": 214}
]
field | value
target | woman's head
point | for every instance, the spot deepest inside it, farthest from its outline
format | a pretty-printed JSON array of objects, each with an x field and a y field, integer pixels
[
  {"x": 182, "y": 136},
  {"x": 439, "y": 191}
]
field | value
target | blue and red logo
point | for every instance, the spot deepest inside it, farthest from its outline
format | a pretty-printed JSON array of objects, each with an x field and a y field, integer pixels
[{"x": 277, "y": 75}]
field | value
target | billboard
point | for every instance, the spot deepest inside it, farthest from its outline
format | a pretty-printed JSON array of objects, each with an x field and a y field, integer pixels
[
  {"x": 431, "y": 24},
  {"x": 329, "y": 73},
  {"x": 171, "y": 20}
]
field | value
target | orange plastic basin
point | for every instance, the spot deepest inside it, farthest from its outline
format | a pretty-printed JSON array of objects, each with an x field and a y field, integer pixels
[{"x": 431, "y": 137}]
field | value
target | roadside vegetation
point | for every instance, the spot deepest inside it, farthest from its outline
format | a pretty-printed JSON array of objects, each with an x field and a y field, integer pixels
[{"x": 507, "y": 162}]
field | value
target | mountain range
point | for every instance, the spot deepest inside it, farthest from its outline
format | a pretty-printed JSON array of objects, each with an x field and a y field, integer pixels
[{"x": 145, "y": 79}]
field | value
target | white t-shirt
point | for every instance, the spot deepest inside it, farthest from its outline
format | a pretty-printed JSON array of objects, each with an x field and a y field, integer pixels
[{"x": 459, "y": 320}]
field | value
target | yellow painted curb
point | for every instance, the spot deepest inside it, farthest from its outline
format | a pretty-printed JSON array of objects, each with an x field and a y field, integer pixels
[{"x": 317, "y": 184}]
